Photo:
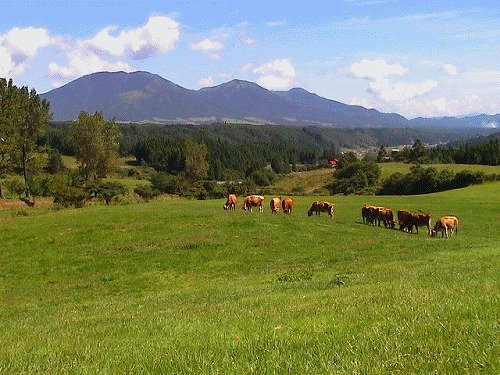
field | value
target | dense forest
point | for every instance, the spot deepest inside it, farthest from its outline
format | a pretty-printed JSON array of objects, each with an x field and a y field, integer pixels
[{"x": 186, "y": 158}]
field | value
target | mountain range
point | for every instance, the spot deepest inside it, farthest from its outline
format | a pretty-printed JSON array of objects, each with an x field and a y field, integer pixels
[{"x": 143, "y": 97}]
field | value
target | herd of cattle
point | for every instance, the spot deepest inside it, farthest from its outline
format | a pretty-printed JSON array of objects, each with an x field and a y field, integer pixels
[
  {"x": 371, "y": 215},
  {"x": 407, "y": 220}
]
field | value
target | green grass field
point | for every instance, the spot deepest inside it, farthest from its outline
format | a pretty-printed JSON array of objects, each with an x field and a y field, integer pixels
[{"x": 184, "y": 287}]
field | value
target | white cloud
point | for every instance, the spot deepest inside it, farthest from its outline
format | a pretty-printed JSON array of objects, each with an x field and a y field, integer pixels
[
  {"x": 6, "y": 63},
  {"x": 205, "y": 82},
  {"x": 20, "y": 45},
  {"x": 157, "y": 36},
  {"x": 107, "y": 43},
  {"x": 450, "y": 69},
  {"x": 276, "y": 74},
  {"x": 399, "y": 91},
  {"x": 26, "y": 42},
  {"x": 376, "y": 72},
  {"x": 375, "y": 69},
  {"x": 82, "y": 62},
  {"x": 245, "y": 68},
  {"x": 207, "y": 45},
  {"x": 441, "y": 105}
]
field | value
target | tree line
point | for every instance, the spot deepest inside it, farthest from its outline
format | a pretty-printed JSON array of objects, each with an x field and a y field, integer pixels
[{"x": 486, "y": 152}]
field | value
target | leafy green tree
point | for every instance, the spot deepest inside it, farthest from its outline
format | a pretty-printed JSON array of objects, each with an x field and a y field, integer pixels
[
  {"x": 70, "y": 196},
  {"x": 55, "y": 163},
  {"x": 111, "y": 191},
  {"x": 418, "y": 152},
  {"x": 196, "y": 165},
  {"x": 381, "y": 154},
  {"x": 354, "y": 176},
  {"x": 23, "y": 118},
  {"x": 95, "y": 142}
]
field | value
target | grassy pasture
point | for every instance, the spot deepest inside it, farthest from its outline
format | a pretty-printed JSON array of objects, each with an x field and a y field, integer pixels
[{"x": 183, "y": 287}]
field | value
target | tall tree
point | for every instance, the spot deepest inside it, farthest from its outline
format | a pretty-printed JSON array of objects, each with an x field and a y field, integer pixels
[
  {"x": 23, "y": 118},
  {"x": 95, "y": 142},
  {"x": 196, "y": 164}
]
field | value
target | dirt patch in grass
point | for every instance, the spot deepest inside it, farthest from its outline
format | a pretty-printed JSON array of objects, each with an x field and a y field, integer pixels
[{"x": 6, "y": 204}]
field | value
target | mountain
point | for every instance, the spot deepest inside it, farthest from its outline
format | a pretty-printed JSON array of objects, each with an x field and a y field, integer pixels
[
  {"x": 146, "y": 97},
  {"x": 149, "y": 98},
  {"x": 477, "y": 121}
]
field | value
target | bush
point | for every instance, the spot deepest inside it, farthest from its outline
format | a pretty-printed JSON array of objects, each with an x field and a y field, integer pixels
[
  {"x": 169, "y": 184},
  {"x": 428, "y": 180},
  {"x": 70, "y": 196},
  {"x": 466, "y": 178},
  {"x": 110, "y": 191},
  {"x": 146, "y": 192}
]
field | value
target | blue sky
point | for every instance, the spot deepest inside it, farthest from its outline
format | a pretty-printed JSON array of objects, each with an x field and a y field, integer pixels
[{"x": 416, "y": 58}]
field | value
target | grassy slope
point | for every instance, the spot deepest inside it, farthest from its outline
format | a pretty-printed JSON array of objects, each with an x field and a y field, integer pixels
[
  {"x": 185, "y": 287},
  {"x": 312, "y": 181}
]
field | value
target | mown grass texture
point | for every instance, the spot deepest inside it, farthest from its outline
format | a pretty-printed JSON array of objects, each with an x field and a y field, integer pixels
[{"x": 185, "y": 287}]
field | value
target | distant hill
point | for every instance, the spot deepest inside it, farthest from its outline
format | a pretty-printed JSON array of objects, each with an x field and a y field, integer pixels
[
  {"x": 142, "y": 97},
  {"x": 478, "y": 121},
  {"x": 146, "y": 97}
]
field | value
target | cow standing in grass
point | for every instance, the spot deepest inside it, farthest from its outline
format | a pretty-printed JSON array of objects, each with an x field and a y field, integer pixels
[
  {"x": 231, "y": 202},
  {"x": 376, "y": 214},
  {"x": 286, "y": 204},
  {"x": 253, "y": 201},
  {"x": 275, "y": 205},
  {"x": 446, "y": 225},
  {"x": 386, "y": 216},
  {"x": 408, "y": 220},
  {"x": 322, "y": 206}
]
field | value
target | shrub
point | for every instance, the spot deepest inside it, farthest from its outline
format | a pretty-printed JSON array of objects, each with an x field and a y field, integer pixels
[
  {"x": 146, "y": 192},
  {"x": 110, "y": 191},
  {"x": 69, "y": 196}
]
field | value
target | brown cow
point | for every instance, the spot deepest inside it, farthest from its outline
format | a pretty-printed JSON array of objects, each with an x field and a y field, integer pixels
[
  {"x": 286, "y": 204},
  {"x": 231, "y": 201},
  {"x": 369, "y": 213},
  {"x": 322, "y": 206},
  {"x": 446, "y": 225},
  {"x": 275, "y": 205},
  {"x": 385, "y": 215},
  {"x": 376, "y": 214},
  {"x": 253, "y": 200},
  {"x": 366, "y": 214},
  {"x": 408, "y": 220},
  {"x": 403, "y": 219}
]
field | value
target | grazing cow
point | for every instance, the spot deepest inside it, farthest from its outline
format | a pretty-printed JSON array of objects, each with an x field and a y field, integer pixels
[
  {"x": 446, "y": 225},
  {"x": 286, "y": 204},
  {"x": 322, "y": 206},
  {"x": 275, "y": 205},
  {"x": 253, "y": 200},
  {"x": 374, "y": 215},
  {"x": 408, "y": 220},
  {"x": 403, "y": 219},
  {"x": 366, "y": 211},
  {"x": 231, "y": 201},
  {"x": 369, "y": 213},
  {"x": 385, "y": 215}
]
